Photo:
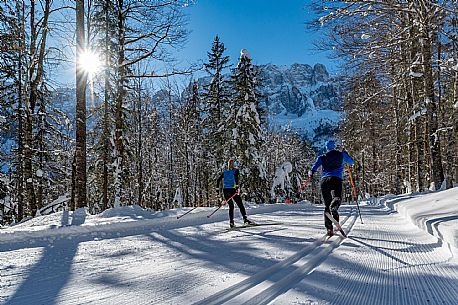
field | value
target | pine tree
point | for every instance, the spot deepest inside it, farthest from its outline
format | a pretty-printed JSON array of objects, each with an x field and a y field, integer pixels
[
  {"x": 244, "y": 128},
  {"x": 104, "y": 22},
  {"x": 189, "y": 138},
  {"x": 215, "y": 102}
]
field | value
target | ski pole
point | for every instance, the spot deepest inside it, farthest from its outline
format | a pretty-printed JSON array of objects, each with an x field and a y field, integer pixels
[
  {"x": 303, "y": 185},
  {"x": 354, "y": 192},
  {"x": 208, "y": 216},
  {"x": 198, "y": 206}
]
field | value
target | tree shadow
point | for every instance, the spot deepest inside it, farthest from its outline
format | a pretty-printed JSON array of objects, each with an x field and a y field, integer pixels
[
  {"x": 358, "y": 285},
  {"x": 58, "y": 256}
]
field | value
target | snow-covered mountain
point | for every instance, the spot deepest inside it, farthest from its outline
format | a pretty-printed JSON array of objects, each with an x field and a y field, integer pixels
[{"x": 304, "y": 98}]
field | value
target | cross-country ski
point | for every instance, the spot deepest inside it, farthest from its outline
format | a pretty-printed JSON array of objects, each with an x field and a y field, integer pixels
[
  {"x": 235, "y": 227},
  {"x": 336, "y": 223}
]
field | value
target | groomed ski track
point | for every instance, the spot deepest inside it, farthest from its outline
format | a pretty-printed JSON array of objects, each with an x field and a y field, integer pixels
[{"x": 386, "y": 260}]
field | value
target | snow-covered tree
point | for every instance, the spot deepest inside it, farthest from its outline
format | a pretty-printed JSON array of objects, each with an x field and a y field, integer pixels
[
  {"x": 281, "y": 185},
  {"x": 216, "y": 103},
  {"x": 161, "y": 26},
  {"x": 244, "y": 127},
  {"x": 404, "y": 47},
  {"x": 103, "y": 18},
  {"x": 189, "y": 144}
]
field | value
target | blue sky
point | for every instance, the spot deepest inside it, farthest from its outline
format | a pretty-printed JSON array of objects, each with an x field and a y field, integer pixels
[{"x": 273, "y": 31}]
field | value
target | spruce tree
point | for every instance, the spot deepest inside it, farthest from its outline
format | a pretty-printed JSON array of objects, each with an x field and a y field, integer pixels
[
  {"x": 101, "y": 170},
  {"x": 188, "y": 146},
  {"x": 215, "y": 103},
  {"x": 244, "y": 129}
]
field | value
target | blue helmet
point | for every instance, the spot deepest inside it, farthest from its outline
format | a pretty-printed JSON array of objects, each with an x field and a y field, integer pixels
[
  {"x": 330, "y": 145},
  {"x": 236, "y": 163}
]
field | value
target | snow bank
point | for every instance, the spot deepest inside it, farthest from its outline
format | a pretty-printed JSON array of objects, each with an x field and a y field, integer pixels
[
  {"x": 67, "y": 223},
  {"x": 436, "y": 213}
]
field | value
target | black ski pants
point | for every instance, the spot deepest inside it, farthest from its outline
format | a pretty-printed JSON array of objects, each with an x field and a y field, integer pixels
[
  {"x": 331, "y": 190},
  {"x": 228, "y": 193}
]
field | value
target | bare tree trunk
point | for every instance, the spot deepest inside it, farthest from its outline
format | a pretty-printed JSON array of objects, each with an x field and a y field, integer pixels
[
  {"x": 140, "y": 181},
  {"x": 106, "y": 109},
  {"x": 455, "y": 125},
  {"x": 29, "y": 110},
  {"x": 120, "y": 95},
  {"x": 41, "y": 152},
  {"x": 437, "y": 173},
  {"x": 363, "y": 171},
  {"x": 36, "y": 78},
  {"x": 20, "y": 134},
  {"x": 398, "y": 175},
  {"x": 420, "y": 160},
  {"x": 81, "y": 82},
  {"x": 416, "y": 107},
  {"x": 411, "y": 147}
]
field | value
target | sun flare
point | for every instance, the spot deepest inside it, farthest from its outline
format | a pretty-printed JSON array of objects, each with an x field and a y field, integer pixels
[{"x": 90, "y": 62}]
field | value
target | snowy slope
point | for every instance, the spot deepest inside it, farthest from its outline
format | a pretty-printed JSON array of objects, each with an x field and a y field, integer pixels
[
  {"x": 132, "y": 256},
  {"x": 436, "y": 213}
]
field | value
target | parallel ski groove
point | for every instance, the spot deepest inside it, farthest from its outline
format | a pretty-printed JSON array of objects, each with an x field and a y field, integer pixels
[
  {"x": 230, "y": 292},
  {"x": 317, "y": 257},
  {"x": 390, "y": 280}
]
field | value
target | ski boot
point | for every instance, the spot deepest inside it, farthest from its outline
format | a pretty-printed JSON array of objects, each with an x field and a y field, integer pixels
[
  {"x": 330, "y": 232},
  {"x": 231, "y": 224},
  {"x": 248, "y": 222}
]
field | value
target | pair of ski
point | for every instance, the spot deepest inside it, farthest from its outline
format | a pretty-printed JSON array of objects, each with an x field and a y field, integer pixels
[
  {"x": 336, "y": 223},
  {"x": 253, "y": 225}
]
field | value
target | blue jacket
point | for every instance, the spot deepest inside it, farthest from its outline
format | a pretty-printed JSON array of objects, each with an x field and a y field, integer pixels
[
  {"x": 333, "y": 163},
  {"x": 230, "y": 179}
]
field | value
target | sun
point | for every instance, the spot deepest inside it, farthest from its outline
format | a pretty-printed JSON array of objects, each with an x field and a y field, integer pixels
[{"x": 90, "y": 62}]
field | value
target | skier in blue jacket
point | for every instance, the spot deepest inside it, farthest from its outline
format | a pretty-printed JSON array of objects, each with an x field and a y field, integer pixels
[
  {"x": 332, "y": 163},
  {"x": 231, "y": 187}
]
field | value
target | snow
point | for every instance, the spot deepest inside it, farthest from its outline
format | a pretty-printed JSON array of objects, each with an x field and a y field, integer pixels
[
  {"x": 39, "y": 173},
  {"x": 129, "y": 255},
  {"x": 417, "y": 114},
  {"x": 178, "y": 197},
  {"x": 436, "y": 213},
  {"x": 281, "y": 176},
  {"x": 308, "y": 122},
  {"x": 245, "y": 53},
  {"x": 415, "y": 74}
]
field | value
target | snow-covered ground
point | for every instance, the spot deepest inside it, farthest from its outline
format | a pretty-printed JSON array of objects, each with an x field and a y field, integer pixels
[{"x": 132, "y": 256}]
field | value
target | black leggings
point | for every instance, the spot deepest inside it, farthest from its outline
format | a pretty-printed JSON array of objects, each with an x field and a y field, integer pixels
[
  {"x": 228, "y": 193},
  {"x": 331, "y": 189}
]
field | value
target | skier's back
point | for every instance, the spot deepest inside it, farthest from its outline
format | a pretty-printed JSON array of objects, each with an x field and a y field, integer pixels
[
  {"x": 332, "y": 163},
  {"x": 231, "y": 189}
]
